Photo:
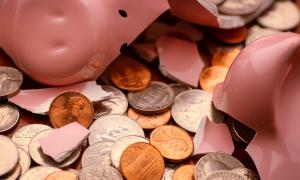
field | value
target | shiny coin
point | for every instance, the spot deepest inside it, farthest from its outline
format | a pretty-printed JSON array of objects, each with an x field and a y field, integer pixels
[
  {"x": 243, "y": 132},
  {"x": 38, "y": 173},
  {"x": 191, "y": 106},
  {"x": 212, "y": 76},
  {"x": 96, "y": 154},
  {"x": 224, "y": 175},
  {"x": 239, "y": 7},
  {"x": 173, "y": 142},
  {"x": 246, "y": 173},
  {"x": 25, "y": 160},
  {"x": 40, "y": 158},
  {"x": 231, "y": 36},
  {"x": 216, "y": 1},
  {"x": 225, "y": 57},
  {"x": 16, "y": 172},
  {"x": 283, "y": 15},
  {"x": 130, "y": 75},
  {"x": 71, "y": 107},
  {"x": 142, "y": 161},
  {"x": 100, "y": 172},
  {"x": 168, "y": 174},
  {"x": 157, "y": 98},
  {"x": 257, "y": 32},
  {"x": 149, "y": 121},
  {"x": 185, "y": 172},
  {"x": 10, "y": 81},
  {"x": 112, "y": 128},
  {"x": 9, "y": 156},
  {"x": 116, "y": 104},
  {"x": 179, "y": 88},
  {"x": 120, "y": 146},
  {"x": 9, "y": 116},
  {"x": 62, "y": 175}
]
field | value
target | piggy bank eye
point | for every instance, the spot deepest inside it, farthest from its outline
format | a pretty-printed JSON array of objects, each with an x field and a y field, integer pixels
[{"x": 123, "y": 13}]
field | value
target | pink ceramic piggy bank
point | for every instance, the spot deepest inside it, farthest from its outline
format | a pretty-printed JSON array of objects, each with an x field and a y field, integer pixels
[{"x": 60, "y": 42}]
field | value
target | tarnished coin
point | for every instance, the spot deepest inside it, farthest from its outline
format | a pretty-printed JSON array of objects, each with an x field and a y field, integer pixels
[
  {"x": 16, "y": 172},
  {"x": 225, "y": 57},
  {"x": 130, "y": 75},
  {"x": 25, "y": 160},
  {"x": 23, "y": 136},
  {"x": 9, "y": 156},
  {"x": 213, "y": 162},
  {"x": 224, "y": 175},
  {"x": 216, "y": 1},
  {"x": 120, "y": 146},
  {"x": 100, "y": 172},
  {"x": 38, "y": 173},
  {"x": 231, "y": 36},
  {"x": 149, "y": 121},
  {"x": 257, "y": 32},
  {"x": 283, "y": 15},
  {"x": 173, "y": 142},
  {"x": 96, "y": 154},
  {"x": 246, "y": 173},
  {"x": 212, "y": 76},
  {"x": 40, "y": 158},
  {"x": 71, "y": 107},
  {"x": 179, "y": 88},
  {"x": 185, "y": 172},
  {"x": 191, "y": 106},
  {"x": 9, "y": 116},
  {"x": 239, "y": 7},
  {"x": 62, "y": 175},
  {"x": 10, "y": 81},
  {"x": 113, "y": 127},
  {"x": 156, "y": 98},
  {"x": 142, "y": 161},
  {"x": 116, "y": 104},
  {"x": 168, "y": 174}
]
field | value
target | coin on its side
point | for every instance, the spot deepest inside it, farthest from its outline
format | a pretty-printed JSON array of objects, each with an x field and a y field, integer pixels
[
  {"x": 239, "y": 7},
  {"x": 14, "y": 174},
  {"x": 38, "y": 173},
  {"x": 23, "y": 136},
  {"x": 9, "y": 156},
  {"x": 224, "y": 175},
  {"x": 10, "y": 81},
  {"x": 25, "y": 160},
  {"x": 156, "y": 98},
  {"x": 174, "y": 143},
  {"x": 212, "y": 76},
  {"x": 9, "y": 116},
  {"x": 142, "y": 161},
  {"x": 185, "y": 172},
  {"x": 100, "y": 172},
  {"x": 246, "y": 173},
  {"x": 62, "y": 175},
  {"x": 179, "y": 88},
  {"x": 96, "y": 154}
]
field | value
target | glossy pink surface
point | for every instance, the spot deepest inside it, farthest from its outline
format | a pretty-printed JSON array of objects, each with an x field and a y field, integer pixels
[
  {"x": 262, "y": 90},
  {"x": 60, "y": 42}
]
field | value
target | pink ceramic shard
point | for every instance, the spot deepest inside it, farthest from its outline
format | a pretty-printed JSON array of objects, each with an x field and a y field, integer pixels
[
  {"x": 262, "y": 90},
  {"x": 38, "y": 100},
  {"x": 61, "y": 42},
  {"x": 146, "y": 51},
  {"x": 63, "y": 141},
  {"x": 206, "y": 13},
  {"x": 180, "y": 60}
]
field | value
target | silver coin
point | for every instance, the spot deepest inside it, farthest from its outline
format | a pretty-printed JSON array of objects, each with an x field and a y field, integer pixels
[
  {"x": 39, "y": 173},
  {"x": 16, "y": 172},
  {"x": 112, "y": 128},
  {"x": 257, "y": 32},
  {"x": 25, "y": 160},
  {"x": 214, "y": 162},
  {"x": 9, "y": 116},
  {"x": 239, "y": 7},
  {"x": 96, "y": 154},
  {"x": 9, "y": 156},
  {"x": 23, "y": 136},
  {"x": 10, "y": 81},
  {"x": 224, "y": 175},
  {"x": 120, "y": 146},
  {"x": 168, "y": 175},
  {"x": 246, "y": 173},
  {"x": 216, "y": 2},
  {"x": 156, "y": 98},
  {"x": 179, "y": 88},
  {"x": 103, "y": 172},
  {"x": 191, "y": 106},
  {"x": 40, "y": 158},
  {"x": 116, "y": 104}
]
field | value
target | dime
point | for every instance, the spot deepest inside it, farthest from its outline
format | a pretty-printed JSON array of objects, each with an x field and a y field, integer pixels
[
  {"x": 213, "y": 162},
  {"x": 224, "y": 175},
  {"x": 246, "y": 173},
  {"x": 173, "y": 142},
  {"x": 179, "y": 88},
  {"x": 97, "y": 154},
  {"x": 23, "y": 136},
  {"x": 130, "y": 75},
  {"x": 225, "y": 57},
  {"x": 10, "y": 81},
  {"x": 191, "y": 106},
  {"x": 142, "y": 161},
  {"x": 150, "y": 121},
  {"x": 212, "y": 76},
  {"x": 62, "y": 175},
  {"x": 9, "y": 156},
  {"x": 116, "y": 104},
  {"x": 231, "y": 36},
  {"x": 216, "y": 1},
  {"x": 283, "y": 15},
  {"x": 112, "y": 128},
  {"x": 120, "y": 146},
  {"x": 185, "y": 172},
  {"x": 239, "y": 7},
  {"x": 257, "y": 32},
  {"x": 157, "y": 98},
  {"x": 103, "y": 172},
  {"x": 9, "y": 116},
  {"x": 40, "y": 158},
  {"x": 71, "y": 107},
  {"x": 25, "y": 160},
  {"x": 16, "y": 172},
  {"x": 38, "y": 173},
  {"x": 168, "y": 174}
]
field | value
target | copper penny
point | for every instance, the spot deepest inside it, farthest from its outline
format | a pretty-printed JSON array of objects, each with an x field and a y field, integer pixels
[
  {"x": 173, "y": 142},
  {"x": 225, "y": 57},
  {"x": 231, "y": 36},
  {"x": 142, "y": 161},
  {"x": 185, "y": 172},
  {"x": 212, "y": 76},
  {"x": 130, "y": 75},
  {"x": 149, "y": 121},
  {"x": 62, "y": 175},
  {"x": 71, "y": 107}
]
